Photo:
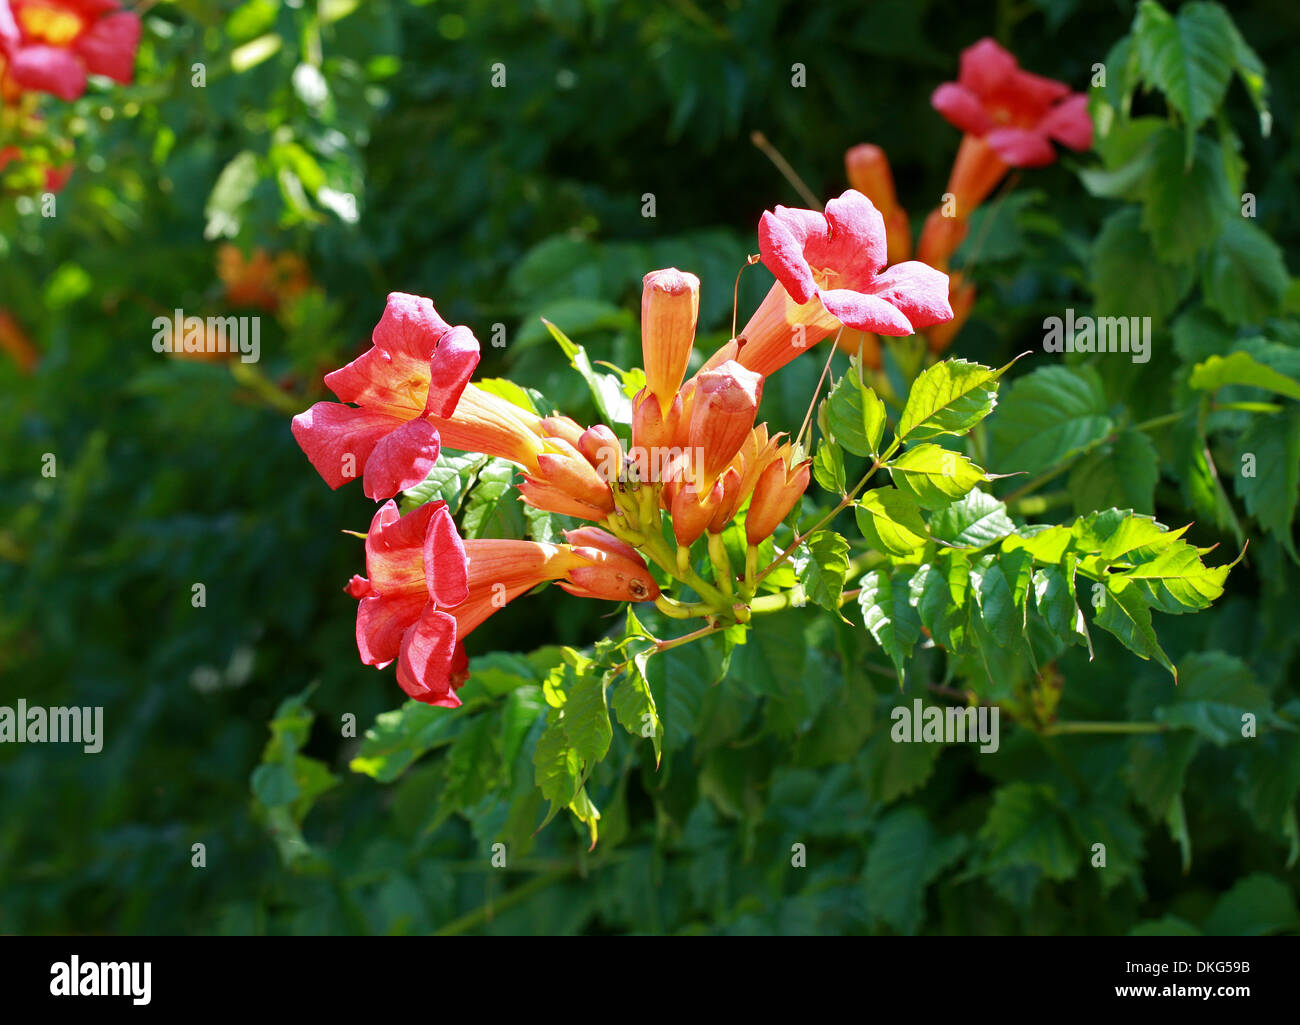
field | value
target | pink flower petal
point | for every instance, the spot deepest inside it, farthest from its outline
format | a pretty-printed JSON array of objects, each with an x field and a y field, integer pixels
[
  {"x": 985, "y": 66},
  {"x": 1036, "y": 91},
  {"x": 395, "y": 548},
  {"x": 450, "y": 369},
  {"x": 394, "y": 374},
  {"x": 48, "y": 69},
  {"x": 1021, "y": 148},
  {"x": 429, "y": 658},
  {"x": 446, "y": 572},
  {"x": 782, "y": 236},
  {"x": 382, "y": 621},
  {"x": 865, "y": 312},
  {"x": 855, "y": 246},
  {"x": 401, "y": 459},
  {"x": 1069, "y": 123},
  {"x": 339, "y": 439},
  {"x": 962, "y": 108},
  {"x": 917, "y": 291},
  {"x": 109, "y": 47}
]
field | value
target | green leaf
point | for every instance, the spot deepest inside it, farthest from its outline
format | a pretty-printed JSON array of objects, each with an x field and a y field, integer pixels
[
  {"x": 1175, "y": 580},
  {"x": 1244, "y": 276},
  {"x": 821, "y": 564},
  {"x": 1055, "y": 600},
  {"x": 949, "y": 398},
  {"x": 1128, "y": 278},
  {"x": 451, "y": 475},
  {"x": 891, "y": 521},
  {"x": 399, "y": 737},
  {"x": 606, "y": 389},
  {"x": 586, "y": 718},
  {"x": 1048, "y": 416},
  {"x": 234, "y": 187},
  {"x": 1185, "y": 206},
  {"x": 1121, "y": 473},
  {"x": 905, "y": 856},
  {"x": 1000, "y": 587},
  {"x": 1027, "y": 827},
  {"x": 930, "y": 594},
  {"x": 1189, "y": 58},
  {"x": 1241, "y": 368},
  {"x": 492, "y": 510},
  {"x": 975, "y": 521},
  {"x": 933, "y": 475},
  {"x": 828, "y": 467},
  {"x": 1125, "y": 614},
  {"x": 890, "y": 616},
  {"x": 1257, "y": 905},
  {"x": 558, "y": 767},
  {"x": 1215, "y": 691},
  {"x": 854, "y": 413},
  {"x": 1271, "y": 493},
  {"x": 634, "y": 706}
]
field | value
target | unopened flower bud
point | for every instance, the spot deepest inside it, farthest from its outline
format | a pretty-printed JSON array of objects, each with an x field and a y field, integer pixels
[
  {"x": 779, "y": 487},
  {"x": 600, "y": 446},
  {"x": 722, "y": 416},
  {"x": 670, "y": 305},
  {"x": 692, "y": 511}
]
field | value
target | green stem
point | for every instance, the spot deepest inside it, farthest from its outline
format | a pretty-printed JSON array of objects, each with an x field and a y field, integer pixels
[
  {"x": 845, "y": 502},
  {"x": 519, "y": 894},
  {"x": 1062, "y": 728}
]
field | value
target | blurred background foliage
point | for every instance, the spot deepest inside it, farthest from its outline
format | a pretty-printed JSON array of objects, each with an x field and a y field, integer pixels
[{"x": 366, "y": 141}]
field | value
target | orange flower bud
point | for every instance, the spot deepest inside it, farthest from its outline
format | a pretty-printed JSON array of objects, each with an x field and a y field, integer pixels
[
  {"x": 595, "y": 537},
  {"x": 975, "y": 173},
  {"x": 560, "y": 427},
  {"x": 961, "y": 297},
  {"x": 612, "y": 571},
  {"x": 731, "y": 498},
  {"x": 567, "y": 470},
  {"x": 670, "y": 306},
  {"x": 940, "y": 238},
  {"x": 722, "y": 416},
  {"x": 757, "y": 451},
  {"x": 600, "y": 446},
  {"x": 550, "y": 498},
  {"x": 655, "y": 435},
  {"x": 692, "y": 511},
  {"x": 779, "y": 487}
]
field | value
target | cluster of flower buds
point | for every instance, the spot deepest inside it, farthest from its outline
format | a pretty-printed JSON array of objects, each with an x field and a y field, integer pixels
[
  {"x": 696, "y": 451},
  {"x": 1009, "y": 118}
]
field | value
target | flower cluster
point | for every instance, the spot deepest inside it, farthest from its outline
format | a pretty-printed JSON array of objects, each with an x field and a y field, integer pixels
[
  {"x": 696, "y": 452},
  {"x": 1009, "y": 118},
  {"x": 52, "y": 45}
]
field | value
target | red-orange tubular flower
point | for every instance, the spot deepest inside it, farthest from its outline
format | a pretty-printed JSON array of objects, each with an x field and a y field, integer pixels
[
  {"x": 427, "y": 589},
  {"x": 670, "y": 307},
  {"x": 1010, "y": 117},
  {"x": 416, "y": 566},
  {"x": 418, "y": 365},
  {"x": 830, "y": 270},
  {"x": 779, "y": 487},
  {"x": 51, "y": 45}
]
